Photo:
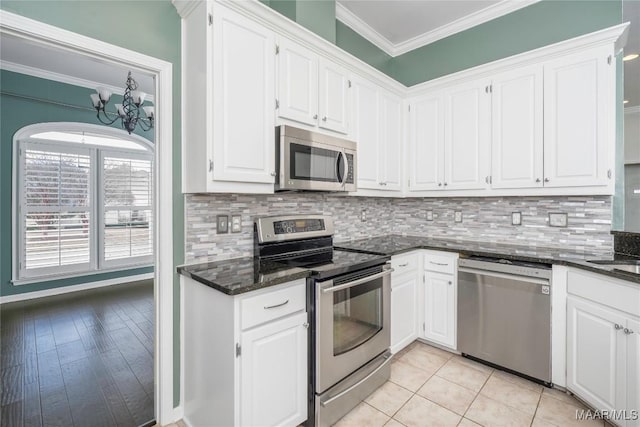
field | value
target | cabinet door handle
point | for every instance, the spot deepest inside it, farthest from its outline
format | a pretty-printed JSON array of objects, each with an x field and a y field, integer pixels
[
  {"x": 403, "y": 265},
  {"x": 617, "y": 327},
  {"x": 628, "y": 331},
  {"x": 267, "y": 307},
  {"x": 438, "y": 263}
]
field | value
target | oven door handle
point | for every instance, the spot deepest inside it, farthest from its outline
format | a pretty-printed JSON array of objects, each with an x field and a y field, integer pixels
[
  {"x": 358, "y": 282},
  {"x": 356, "y": 385}
]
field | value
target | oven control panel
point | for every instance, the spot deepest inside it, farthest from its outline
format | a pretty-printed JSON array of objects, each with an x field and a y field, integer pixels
[{"x": 292, "y": 227}]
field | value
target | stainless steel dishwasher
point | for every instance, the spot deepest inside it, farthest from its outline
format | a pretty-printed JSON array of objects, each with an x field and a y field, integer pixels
[{"x": 504, "y": 314}]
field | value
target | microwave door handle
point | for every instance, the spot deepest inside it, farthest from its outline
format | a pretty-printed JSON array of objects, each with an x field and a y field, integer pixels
[{"x": 346, "y": 168}]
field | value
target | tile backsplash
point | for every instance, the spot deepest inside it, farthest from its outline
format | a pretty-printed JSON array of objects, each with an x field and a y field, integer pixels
[{"x": 483, "y": 219}]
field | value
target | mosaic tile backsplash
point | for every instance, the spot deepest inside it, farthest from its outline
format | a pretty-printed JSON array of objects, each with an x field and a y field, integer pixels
[{"x": 483, "y": 219}]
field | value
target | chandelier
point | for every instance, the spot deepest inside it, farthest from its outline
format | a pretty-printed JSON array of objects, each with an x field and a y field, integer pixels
[{"x": 129, "y": 111}]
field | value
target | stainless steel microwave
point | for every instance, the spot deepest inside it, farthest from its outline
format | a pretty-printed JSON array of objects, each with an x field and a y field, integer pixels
[{"x": 308, "y": 160}]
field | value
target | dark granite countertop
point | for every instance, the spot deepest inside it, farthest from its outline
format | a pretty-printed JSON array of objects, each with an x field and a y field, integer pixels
[
  {"x": 396, "y": 244},
  {"x": 240, "y": 275}
]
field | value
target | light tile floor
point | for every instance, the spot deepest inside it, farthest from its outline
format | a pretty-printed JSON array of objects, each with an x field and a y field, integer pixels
[{"x": 432, "y": 387}]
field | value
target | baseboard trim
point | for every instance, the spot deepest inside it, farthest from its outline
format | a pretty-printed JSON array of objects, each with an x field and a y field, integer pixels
[{"x": 74, "y": 288}]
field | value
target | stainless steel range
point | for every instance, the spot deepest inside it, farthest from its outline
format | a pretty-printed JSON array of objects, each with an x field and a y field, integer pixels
[{"x": 348, "y": 298}]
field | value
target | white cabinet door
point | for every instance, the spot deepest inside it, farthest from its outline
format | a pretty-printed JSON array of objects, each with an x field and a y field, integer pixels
[
  {"x": 365, "y": 131},
  {"x": 297, "y": 83},
  {"x": 390, "y": 151},
  {"x": 467, "y": 136},
  {"x": 334, "y": 90},
  {"x": 243, "y": 137},
  {"x": 517, "y": 145},
  {"x": 426, "y": 150},
  {"x": 633, "y": 369},
  {"x": 578, "y": 114},
  {"x": 595, "y": 354},
  {"x": 273, "y": 373},
  {"x": 440, "y": 308},
  {"x": 404, "y": 310}
]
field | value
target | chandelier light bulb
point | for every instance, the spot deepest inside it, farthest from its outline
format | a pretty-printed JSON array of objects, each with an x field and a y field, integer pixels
[{"x": 104, "y": 94}]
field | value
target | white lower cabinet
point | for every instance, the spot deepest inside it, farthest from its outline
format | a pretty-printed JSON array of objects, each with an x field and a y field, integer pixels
[
  {"x": 404, "y": 301},
  {"x": 603, "y": 344},
  {"x": 440, "y": 298},
  {"x": 245, "y": 356},
  {"x": 273, "y": 373}
]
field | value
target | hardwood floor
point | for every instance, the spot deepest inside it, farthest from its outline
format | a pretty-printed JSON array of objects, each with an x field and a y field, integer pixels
[{"x": 79, "y": 359}]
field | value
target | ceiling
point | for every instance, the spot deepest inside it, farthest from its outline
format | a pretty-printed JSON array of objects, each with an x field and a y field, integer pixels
[
  {"x": 23, "y": 56},
  {"x": 631, "y": 13},
  {"x": 397, "y": 26}
]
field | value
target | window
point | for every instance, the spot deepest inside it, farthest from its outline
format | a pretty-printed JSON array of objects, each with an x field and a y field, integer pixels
[{"x": 83, "y": 204}]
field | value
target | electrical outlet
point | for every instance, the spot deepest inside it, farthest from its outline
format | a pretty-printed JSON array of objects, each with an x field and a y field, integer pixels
[
  {"x": 429, "y": 215},
  {"x": 236, "y": 223},
  {"x": 516, "y": 218},
  {"x": 457, "y": 216},
  {"x": 363, "y": 215},
  {"x": 558, "y": 219},
  {"x": 222, "y": 222}
]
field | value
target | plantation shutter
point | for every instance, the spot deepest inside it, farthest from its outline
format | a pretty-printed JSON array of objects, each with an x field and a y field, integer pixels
[
  {"x": 55, "y": 204},
  {"x": 128, "y": 217}
]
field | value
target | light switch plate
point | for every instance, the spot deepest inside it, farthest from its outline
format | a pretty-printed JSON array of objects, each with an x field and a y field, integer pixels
[
  {"x": 429, "y": 215},
  {"x": 363, "y": 215},
  {"x": 222, "y": 222},
  {"x": 558, "y": 219},
  {"x": 516, "y": 218},
  {"x": 236, "y": 223},
  {"x": 457, "y": 216}
]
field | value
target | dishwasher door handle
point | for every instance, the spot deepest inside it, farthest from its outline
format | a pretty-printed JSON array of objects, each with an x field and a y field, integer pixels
[{"x": 504, "y": 275}]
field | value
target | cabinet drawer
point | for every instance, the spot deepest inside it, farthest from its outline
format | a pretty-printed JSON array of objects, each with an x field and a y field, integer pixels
[
  {"x": 605, "y": 290},
  {"x": 440, "y": 263},
  {"x": 404, "y": 263},
  {"x": 272, "y": 305}
]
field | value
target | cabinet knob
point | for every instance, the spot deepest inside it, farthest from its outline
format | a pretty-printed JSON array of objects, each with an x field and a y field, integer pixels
[
  {"x": 306, "y": 325},
  {"x": 450, "y": 283},
  {"x": 546, "y": 180},
  {"x": 273, "y": 174},
  {"x": 628, "y": 331},
  {"x": 445, "y": 184},
  {"x": 537, "y": 179},
  {"x": 315, "y": 116},
  {"x": 324, "y": 119},
  {"x": 618, "y": 327}
]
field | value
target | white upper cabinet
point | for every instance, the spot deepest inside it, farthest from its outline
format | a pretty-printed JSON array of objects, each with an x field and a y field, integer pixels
[
  {"x": 243, "y": 93},
  {"x": 365, "y": 131},
  {"x": 311, "y": 90},
  {"x": 426, "y": 136},
  {"x": 467, "y": 136},
  {"x": 579, "y": 111},
  {"x": 517, "y": 114},
  {"x": 377, "y": 129},
  {"x": 334, "y": 97},
  {"x": 390, "y": 158},
  {"x": 297, "y": 83}
]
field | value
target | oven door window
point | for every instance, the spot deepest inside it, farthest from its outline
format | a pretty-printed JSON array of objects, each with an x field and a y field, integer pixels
[
  {"x": 315, "y": 164},
  {"x": 357, "y": 315}
]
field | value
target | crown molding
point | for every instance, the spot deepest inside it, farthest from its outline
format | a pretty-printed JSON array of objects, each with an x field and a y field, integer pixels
[
  {"x": 184, "y": 7},
  {"x": 480, "y": 17},
  {"x": 354, "y": 22},
  {"x": 62, "y": 78}
]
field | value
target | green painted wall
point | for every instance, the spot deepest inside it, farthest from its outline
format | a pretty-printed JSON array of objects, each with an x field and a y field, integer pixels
[
  {"x": 151, "y": 27},
  {"x": 316, "y": 15},
  {"x": 361, "y": 48},
  {"x": 538, "y": 25},
  {"x": 15, "y": 113}
]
